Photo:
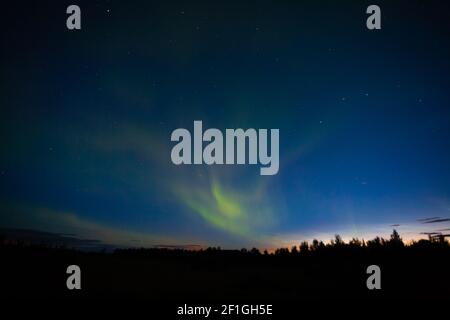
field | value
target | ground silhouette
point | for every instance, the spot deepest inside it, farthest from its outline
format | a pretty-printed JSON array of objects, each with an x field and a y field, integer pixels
[{"x": 336, "y": 270}]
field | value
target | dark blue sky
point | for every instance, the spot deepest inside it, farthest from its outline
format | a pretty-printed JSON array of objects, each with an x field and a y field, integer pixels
[{"x": 87, "y": 117}]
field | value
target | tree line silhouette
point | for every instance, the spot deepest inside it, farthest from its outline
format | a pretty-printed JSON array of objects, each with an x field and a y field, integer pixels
[{"x": 316, "y": 247}]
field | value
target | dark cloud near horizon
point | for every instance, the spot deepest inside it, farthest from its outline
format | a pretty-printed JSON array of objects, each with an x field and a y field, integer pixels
[
  {"x": 184, "y": 247},
  {"x": 428, "y": 219},
  {"x": 36, "y": 237},
  {"x": 437, "y": 220}
]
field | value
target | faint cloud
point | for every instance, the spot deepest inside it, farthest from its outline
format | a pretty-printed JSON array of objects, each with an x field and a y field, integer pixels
[
  {"x": 436, "y": 220},
  {"x": 63, "y": 222}
]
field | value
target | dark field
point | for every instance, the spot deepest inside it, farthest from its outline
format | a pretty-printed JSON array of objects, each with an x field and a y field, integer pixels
[{"x": 338, "y": 271}]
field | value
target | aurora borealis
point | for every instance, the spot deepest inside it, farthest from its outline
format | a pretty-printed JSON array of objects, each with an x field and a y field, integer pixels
[{"x": 364, "y": 119}]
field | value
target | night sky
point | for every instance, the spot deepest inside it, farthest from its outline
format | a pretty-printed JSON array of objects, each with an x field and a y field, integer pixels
[{"x": 86, "y": 119}]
